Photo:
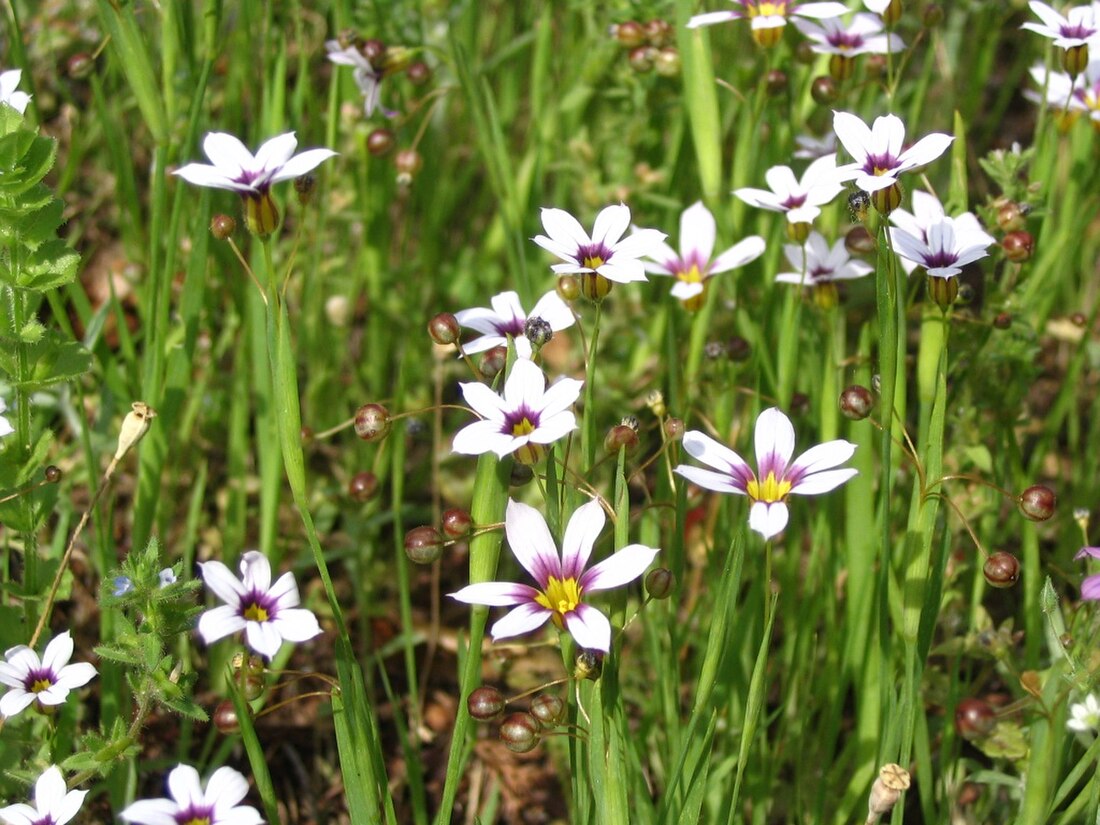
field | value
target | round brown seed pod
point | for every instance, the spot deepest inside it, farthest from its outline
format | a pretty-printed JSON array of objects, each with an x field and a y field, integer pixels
[{"x": 1001, "y": 569}]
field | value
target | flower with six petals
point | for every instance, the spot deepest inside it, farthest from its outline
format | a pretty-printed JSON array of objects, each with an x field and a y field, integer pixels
[
  {"x": 768, "y": 17},
  {"x": 815, "y": 263},
  {"x": 193, "y": 804},
  {"x": 506, "y": 320},
  {"x": 941, "y": 244},
  {"x": 799, "y": 199},
  {"x": 54, "y": 803},
  {"x": 563, "y": 582},
  {"x": 46, "y": 681}
]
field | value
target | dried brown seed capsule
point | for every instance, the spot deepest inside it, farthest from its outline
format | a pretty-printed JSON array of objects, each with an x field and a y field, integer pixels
[
  {"x": 1003, "y": 320},
  {"x": 824, "y": 91},
  {"x": 1037, "y": 502},
  {"x": 418, "y": 73},
  {"x": 381, "y": 142},
  {"x": 659, "y": 583},
  {"x": 375, "y": 52},
  {"x": 457, "y": 522},
  {"x": 1001, "y": 569},
  {"x": 856, "y": 402},
  {"x": 641, "y": 59},
  {"x": 620, "y": 436},
  {"x": 859, "y": 241},
  {"x": 1018, "y": 246},
  {"x": 53, "y": 474},
  {"x": 630, "y": 34},
  {"x": 225, "y": 717},
  {"x": 520, "y": 732},
  {"x": 548, "y": 709},
  {"x": 493, "y": 361},
  {"x": 423, "y": 545},
  {"x": 568, "y": 288},
  {"x": 363, "y": 486},
  {"x": 372, "y": 422},
  {"x": 674, "y": 429},
  {"x": 443, "y": 329},
  {"x": 974, "y": 719},
  {"x": 222, "y": 226},
  {"x": 485, "y": 703}
]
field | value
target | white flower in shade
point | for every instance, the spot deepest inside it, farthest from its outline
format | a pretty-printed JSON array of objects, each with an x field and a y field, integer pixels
[
  {"x": 1080, "y": 27},
  {"x": 506, "y": 320},
  {"x": 5, "y": 426},
  {"x": 877, "y": 6},
  {"x": 563, "y": 582},
  {"x": 606, "y": 253},
  {"x": 799, "y": 199},
  {"x": 521, "y": 420},
  {"x": 693, "y": 266},
  {"x": 1084, "y": 716},
  {"x": 1069, "y": 94},
  {"x": 367, "y": 78},
  {"x": 193, "y": 804},
  {"x": 46, "y": 681},
  {"x": 815, "y": 262},
  {"x": 862, "y": 36},
  {"x": 811, "y": 147},
  {"x": 929, "y": 238},
  {"x": 768, "y": 17},
  {"x": 267, "y": 613},
  {"x": 878, "y": 158},
  {"x": 776, "y": 476},
  {"x": 9, "y": 94},
  {"x": 54, "y": 803},
  {"x": 234, "y": 167}
]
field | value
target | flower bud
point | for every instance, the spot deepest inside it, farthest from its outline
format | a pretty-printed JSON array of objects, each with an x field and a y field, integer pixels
[
  {"x": 443, "y": 329},
  {"x": 776, "y": 82},
  {"x": 595, "y": 286},
  {"x": 520, "y": 474},
  {"x": 769, "y": 37},
  {"x": 588, "y": 665},
  {"x": 620, "y": 437},
  {"x": 887, "y": 200},
  {"x": 824, "y": 91},
  {"x": 1018, "y": 246},
  {"x": 798, "y": 232},
  {"x": 372, "y": 422},
  {"x": 933, "y": 16},
  {"x": 841, "y": 67},
  {"x": 1079, "y": 320},
  {"x": 222, "y": 227},
  {"x": 641, "y": 59},
  {"x": 80, "y": 65},
  {"x": 739, "y": 349},
  {"x": 53, "y": 474},
  {"x": 1012, "y": 216},
  {"x": 418, "y": 73},
  {"x": 630, "y": 34},
  {"x": 659, "y": 583},
  {"x": 253, "y": 687},
  {"x": 457, "y": 522},
  {"x": 381, "y": 142},
  {"x": 548, "y": 709},
  {"x": 485, "y": 703},
  {"x": 520, "y": 732},
  {"x": 408, "y": 163},
  {"x": 1003, "y": 320},
  {"x": 363, "y": 486},
  {"x": 875, "y": 65},
  {"x": 804, "y": 53},
  {"x": 658, "y": 32},
  {"x": 1037, "y": 502},
  {"x": 892, "y": 780},
  {"x": 1075, "y": 59},
  {"x": 492, "y": 361},
  {"x": 655, "y": 400},
  {"x": 304, "y": 186},
  {"x": 974, "y": 719},
  {"x": 1001, "y": 569},
  {"x": 567, "y": 287},
  {"x": 423, "y": 545},
  {"x": 859, "y": 241},
  {"x": 261, "y": 215},
  {"x": 538, "y": 332},
  {"x": 374, "y": 50},
  {"x": 134, "y": 427},
  {"x": 856, "y": 402},
  {"x": 943, "y": 291},
  {"x": 674, "y": 429},
  {"x": 892, "y": 13},
  {"x": 667, "y": 62},
  {"x": 225, "y": 718}
]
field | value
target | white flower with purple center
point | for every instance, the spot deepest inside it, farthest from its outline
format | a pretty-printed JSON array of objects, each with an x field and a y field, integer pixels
[
  {"x": 800, "y": 199},
  {"x": 816, "y": 263},
  {"x": 1084, "y": 716},
  {"x": 929, "y": 238},
  {"x": 1080, "y": 27},
  {"x": 5, "y": 426},
  {"x": 9, "y": 93},
  {"x": 1069, "y": 94},
  {"x": 267, "y": 613},
  {"x": 193, "y": 804},
  {"x": 563, "y": 582},
  {"x": 693, "y": 267},
  {"x": 367, "y": 78},
  {"x": 878, "y": 158},
  {"x": 768, "y": 18},
  {"x": 46, "y": 681},
  {"x": 523, "y": 419},
  {"x": 507, "y": 319},
  {"x": 606, "y": 254},
  {"x": 54, "y": 803},
  {"x": 812, "y": 147},
  {"x": 776, "y": 476},
  {"x": 861, "y": 36},
  {"x": 1090, "y": 587}
]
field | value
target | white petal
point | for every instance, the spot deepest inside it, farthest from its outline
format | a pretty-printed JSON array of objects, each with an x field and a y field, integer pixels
[
  {"x": 710, "y": 18},
  {"x": 684, "y": 290},
  {"x": 49, "y": 790},
  {"x": 623, "y": 272},
  {"x": 580, "y": 535},
  {"x": 201, "y": 174},
  {"x": 640, "y": 243},
  {"x": 227, "y": 153},
  {"x": 21, "y": 814},
  {"x": 495, "y": 594},
  {"x": 761, "y": 198},
  {"x": 285, "y": 591},
  {"x": 15, "y": 701},
  {"x": 520, "y": 620},
  {"x": 483, "y": 400},
  {"x": 531, "y": 542},
  {"x": 888, "y": 135},
  {"x": 481, "y": 437},
  {"x": 554, "y": 311},
  {"x": 820, "y": 10},
  {"x": 225, "y": 788},
  {"x": 564, "y": 229},
  {"x": 854, "y": 135},
  {"x": 151, "y": 812},
  {"x": 274, "y": 153},
  {"x": 256, "y": 571},
  {"x": 624, "y": 566},
  {"x": 768, "y": 519},
  {"x": 782, "y": 181},
  {"x": 589, "y": 627},
  {"x": 610, "y": 225},
  {"x": 710, "y": 480},
  {"x": 715, "y": 454},
  {"x": 75, "y": 676},
  {"x": 553, "y": 427},
  {"x": 184, "y": 786},
  {"x": 818, "y": 483},
  {"x": 739, "y": 254},
  {"x": 222, "y": 582},
  {"x": 562, "y": 394},
  {"x": 823, "y": 457},
  {"x": 301, "y": 164},
  {"x": 220, "y": 622},
  {"x": 926, "y": 150},
  {"x": 524, "y": 386},
  {"x": 58, "y": 652},
  {"x": 296, "y": 625},
  {"x": 263, "y": 638},
  {"x": 697, "y": 232},
  {"x": 774, "y": 438}
]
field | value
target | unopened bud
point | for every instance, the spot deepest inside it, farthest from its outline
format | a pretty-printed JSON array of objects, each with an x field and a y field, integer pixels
[
  {"x": 568, "y": 289},
  {"x": 659, "y": 583},
  {"x": 1001, "y": 569},
  {"x": 674, "y": 429},
  {"x": 548, "y": 709},
  {"x": 372, "y": 422},
  {"x": 738, "y": 348},
  {"x": 1003, "y": 320},
  {"x": 1018, "y": 246},
  {"x": 933, "y": 16},
  {"x": 374, "y": 51},
  {"x": 492, "y": 362},
  {"x": 859, "y": 241},
  {"x": 943, "y": 291},
  {"x": 53, "y": 474},
  {"x": 423, "y": 545},
  {"x": 1012, "y": 216},
  {"x": 620, "y": 437},
  {"x": 1037, "y": 502},
  {"x": 630, "y": 34},
  {"x": 222, "y": 227},
  {"x": 824, "y": 90},
  {"x": 418, "y": 73},
  {"x": 856, "y": 402},
  {"x": 457, "y": 522},
  {"x": 538, "y": 332},
  {"x": 641, "y": 59},
  {"x": 658, "y": 32},
  {"x": 408, "y": 163},
  {"x": 134, "y": 427},
  {"x": 776, "y": 82},
  {"x": 443, "y": 329},
  {"x": 520, "y": 732},
  {"x": 667, "y": 62},
  {"x": 380, "y": 142},
  {"x": 363, "y": 486},
  {"x": 974, "y": 719},
  {"x": 225, "y": 718},
  {"x": 485, "y": 703},
  {"x": 80, "y": 65},
  {"x": 520, "y": 474}
]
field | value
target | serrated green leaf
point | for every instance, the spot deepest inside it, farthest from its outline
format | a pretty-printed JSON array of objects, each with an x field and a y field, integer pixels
[
  {"x": 114, "y": 653},
  {"x": 186, "y": 707},
  {"x": 53, "y": 360},
  {"x": 10, "y": 120},
  {"x": 81, "y": 761},
  {"x": 36, "y": 161},
  {"x": 40, "y": 224},
  {"x": 12, "y": 148},
  {"x": 51, "y": 265}
]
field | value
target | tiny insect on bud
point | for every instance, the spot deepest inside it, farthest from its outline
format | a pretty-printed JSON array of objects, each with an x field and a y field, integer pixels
[
  {"x": 974, "y": 719},
  {"x": 457, "y": 522},
  {"x": 588, "y": 665},
  {"x": 80, "y": 65},
  {"x": 1003, "y": 320},
  {"x": 225, "y": 718},
  {"x": 418, "y": 73},
  {"x": 375, "y": 52},
  {"x": 1001, "y": 569},
  {"x": 548, "y": 709},
  {"x": 53, "y": 474},
  {"x": 641, "y": 59},
  {"x": 568, "y": 289},
  {"x": 667, "y": 62},
  {"x": 859, "y": 241},
  {"x": 381, "y": 142},
  {"x": 674, "y": 429},
  {"x": 520, "y": 474},
  {"x": 408, "y": 163},
  {"x": 538, "y": 332},
  {"x": 485, "y": 703},
  {"x": 620, "y": 437},
  {"x": 304, "y": 187},
  {"x": 520, "y": 732},
  {"x": 859, "y": 204},
  {"x": 1037, "y": 502},
  {"x": 776, "y": 82},
  {"x": 134, "y": 427},
  {"x": 222, "y": 227},
  {"x": 824, "y": 90},
  {"x": 856, "y": 402},
  {"x": 659, "y": 583},
  {"x": 363, "y": 486},
  {"x": 1018, "y": 246},
  {"x": 443, "y": 329},
  {"x": 493, "y": 361},
  {"x": 423, "y": 545},
  {"x": 372, "y": 422},
  {"x": 630, "y": 34}
]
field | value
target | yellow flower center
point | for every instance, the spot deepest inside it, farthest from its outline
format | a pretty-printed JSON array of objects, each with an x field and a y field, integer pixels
[
  {"x": 198, "y": 820},
  {"x": 255, "y": 613},
  {"x": 769, "y": 491},
  {"x": 594, "y": 262},
  {"x": 691, "y": 276},
  {"x": 561, "y": 596},
  {"x": 523, "y": 427},
  {"x": 40, "y": 685},
  {"x": 768, "y": 10}
]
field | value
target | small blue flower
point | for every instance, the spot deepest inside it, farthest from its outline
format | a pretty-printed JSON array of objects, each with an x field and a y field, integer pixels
[
  {"x": 167, "y": 577},
  {"x": 123, "y": 585}
]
